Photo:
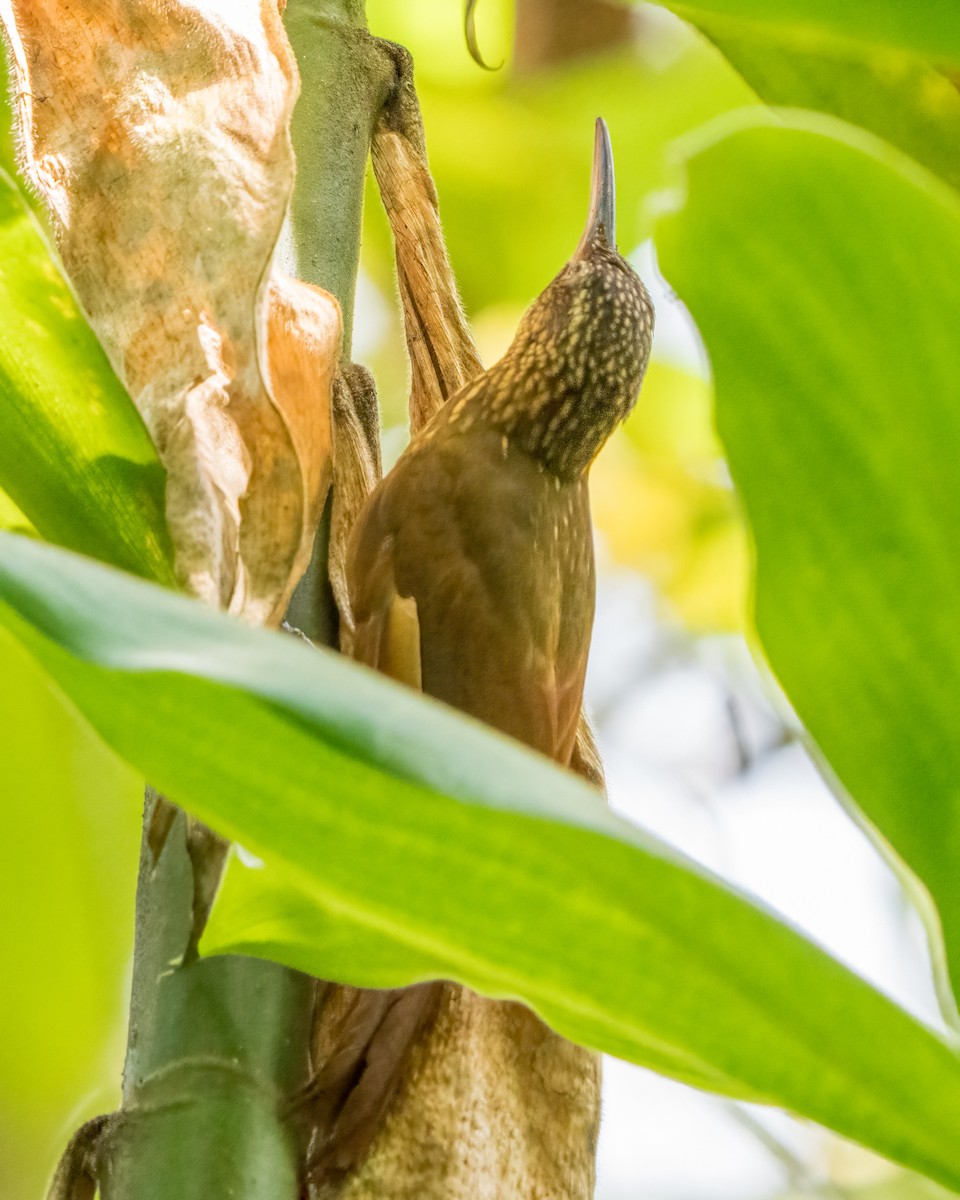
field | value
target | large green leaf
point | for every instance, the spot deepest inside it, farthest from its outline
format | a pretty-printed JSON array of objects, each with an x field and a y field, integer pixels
[
  {"x": 824, "y": 281},
  {"x": 422, "y": 844},
  {"x": 929, "y": 27},
  {"x": 68, "y": 866},
  {"x": 75, "y": 457},
  {"x": 893, "y": 94}
]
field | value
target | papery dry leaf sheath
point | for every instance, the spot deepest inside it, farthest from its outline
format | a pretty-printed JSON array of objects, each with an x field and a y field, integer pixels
[{"x": 156, "y": 131}]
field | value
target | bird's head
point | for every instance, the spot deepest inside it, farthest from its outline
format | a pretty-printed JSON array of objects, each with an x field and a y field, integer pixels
[{"x": 578, "y": 358}]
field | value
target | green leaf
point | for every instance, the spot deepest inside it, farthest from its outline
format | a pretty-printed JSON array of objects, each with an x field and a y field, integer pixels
[
  {"x": 67, "y": 873},
  {"x": 12, "y": 518},
  {"x": 824, "y": 281},
  {"x": 928, "y": 27},
  {"x": 893, "y": 94},
  {"x": 75, "y": 457},
  {"x": 418, "y": 843}
]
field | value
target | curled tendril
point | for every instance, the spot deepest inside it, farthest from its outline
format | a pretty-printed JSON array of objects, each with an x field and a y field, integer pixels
[{"x": 470, "y": 33}]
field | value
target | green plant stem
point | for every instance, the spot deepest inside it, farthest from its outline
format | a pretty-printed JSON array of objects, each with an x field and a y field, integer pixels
[
  {"x": 345, "y": 79},
  {"x": 346, "y": 76},
  {"x": 216, "y": 1050}
]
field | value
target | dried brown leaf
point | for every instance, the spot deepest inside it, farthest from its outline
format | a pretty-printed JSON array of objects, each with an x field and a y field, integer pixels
[
  {"x": 356, "y": 419},
  {"x": 303, "y": 351},
  {"x": 443, "y": 356},
  {"x": 157, "y": 133}
]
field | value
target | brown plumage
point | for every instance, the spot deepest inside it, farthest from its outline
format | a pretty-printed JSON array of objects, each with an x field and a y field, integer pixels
[
  {"x": 471, "y": 576},
  {"x": 471, "y": 566}
]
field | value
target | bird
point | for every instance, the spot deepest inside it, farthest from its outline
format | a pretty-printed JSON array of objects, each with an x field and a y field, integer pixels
[
  {"x": 470, "y": 573},
  {"x": 470, "y": 569}
]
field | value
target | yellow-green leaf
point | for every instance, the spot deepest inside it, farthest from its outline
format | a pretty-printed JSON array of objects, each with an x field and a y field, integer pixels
[{"x": 822, "y": 272}]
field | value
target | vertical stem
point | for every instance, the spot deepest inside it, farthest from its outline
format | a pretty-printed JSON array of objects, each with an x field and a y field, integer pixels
[
  {"x": 345, "y": 80},
  {"x": 216, "y": 1049},
  {"x": 346, "y": 77}
]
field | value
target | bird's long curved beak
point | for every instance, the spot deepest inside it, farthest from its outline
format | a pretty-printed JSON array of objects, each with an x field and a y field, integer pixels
[{"x": 602, "y": 219}]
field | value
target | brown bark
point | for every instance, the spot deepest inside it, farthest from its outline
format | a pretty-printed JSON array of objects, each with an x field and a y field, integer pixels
[{"x": 493, "y": 1104}]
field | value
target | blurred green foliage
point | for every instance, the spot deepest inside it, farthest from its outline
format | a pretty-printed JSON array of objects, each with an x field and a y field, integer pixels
[
  {"x": 511, "y": 156},
  {"x": 12, "y": 518},
  {"x": 663, "y": 508},
  {"x": 928, "y": 27},
  {"x": 69, "y": 862},
  {"x": 892, "y": 93}
]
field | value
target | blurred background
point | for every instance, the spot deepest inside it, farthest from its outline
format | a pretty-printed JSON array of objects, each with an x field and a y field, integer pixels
[{"x": 698, "y": 746}]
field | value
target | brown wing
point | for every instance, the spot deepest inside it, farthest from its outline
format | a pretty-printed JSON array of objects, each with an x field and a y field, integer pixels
[
  {"x": 501, "y": 585},
  {"x": 386, "y": 632}
]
